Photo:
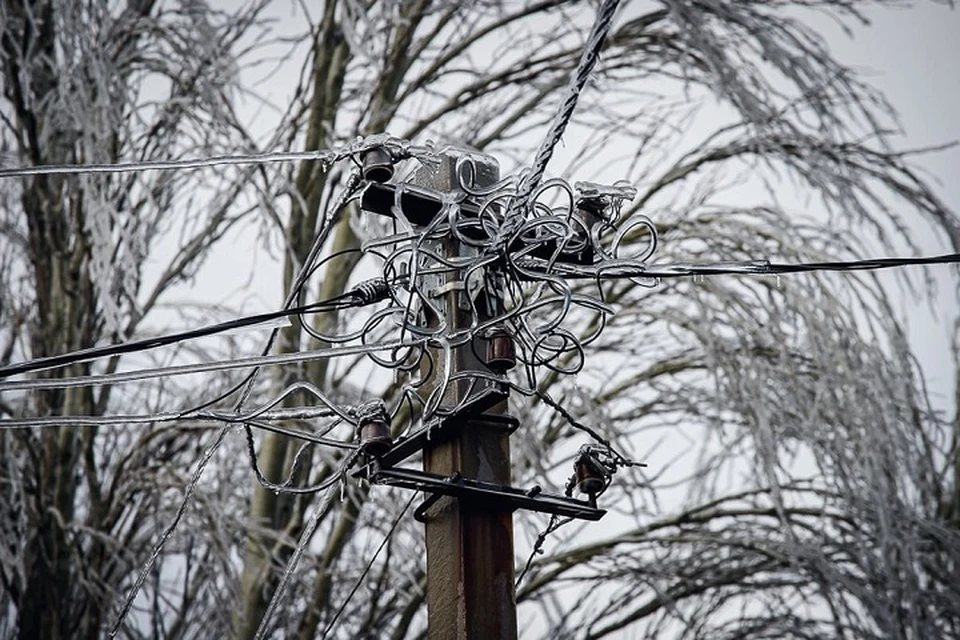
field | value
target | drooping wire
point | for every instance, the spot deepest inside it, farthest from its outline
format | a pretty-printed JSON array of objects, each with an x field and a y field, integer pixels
[
  {"x": 366, "y": 569},
  {"x": 305, "y": 536},
  {"x": 145, "y": 344},
  {"x": 349, "y": 189},
  {"x": 246, "y": 388},
  {"x": 168, "y": 531},
  {"x": 555, "y": 523}
]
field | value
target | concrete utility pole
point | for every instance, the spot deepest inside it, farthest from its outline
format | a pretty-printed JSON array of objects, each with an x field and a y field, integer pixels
[
  {"x": 464, "y": 437},
  {"x": 470, "y": 561}
]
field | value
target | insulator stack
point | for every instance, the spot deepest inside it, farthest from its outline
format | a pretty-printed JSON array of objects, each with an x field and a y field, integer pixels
[
  {"x": 501, "y": 352},
  {"x": 375, "y": 439},
  {"x": 377, "y": 165}
]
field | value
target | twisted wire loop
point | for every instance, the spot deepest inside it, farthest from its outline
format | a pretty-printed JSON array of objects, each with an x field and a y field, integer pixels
[
  {"x": 521, "y": 257},
  {"x": 524, "y": 258}
]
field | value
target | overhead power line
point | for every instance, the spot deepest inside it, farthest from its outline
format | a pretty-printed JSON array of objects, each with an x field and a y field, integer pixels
[
  {"x": 206, "y": 367},
  {"x": 635, "y": 269},
  {"x": 578, "y": 80},
  {"x": 366, "y": 570},
  {"x": 399, "y": 149},
  {"x": 363, "y": 294}
]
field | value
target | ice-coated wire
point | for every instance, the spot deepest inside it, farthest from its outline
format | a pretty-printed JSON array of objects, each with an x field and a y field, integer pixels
[
  {"x": 366, "y": 569},
  {"x": 629, "y": 268},
  {"x": 246, "y": 387},
  {"x": 145, "y": 344},
  {"x": 399, "y": 149},
  {"x": 296, "y": 413},
  {"x": 555, "y": 523},
  {"x": 588, "y": 59},
  {"x": 287, "y": 485},
  {"x": 202, "y": 367},
  {"x": 767, "y": 268},
  {"x": 260, "y": 417},
  {"x": 305, "y": 536},
  {"x": 168, "y": 531}
]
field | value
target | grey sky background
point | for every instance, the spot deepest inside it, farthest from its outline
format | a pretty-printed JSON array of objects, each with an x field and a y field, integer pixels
[
  {"x": 913, "y": 56},
  {"x": 910, "y": 54}
]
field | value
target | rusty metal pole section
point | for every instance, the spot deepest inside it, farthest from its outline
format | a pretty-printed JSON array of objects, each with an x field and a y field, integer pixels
[{"x": 470, "y": 561}]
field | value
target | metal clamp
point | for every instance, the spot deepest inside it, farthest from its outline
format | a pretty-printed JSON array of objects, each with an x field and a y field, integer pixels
[
  {"x": 488, "y": 494},
  {"x": 420, "y": 514}
]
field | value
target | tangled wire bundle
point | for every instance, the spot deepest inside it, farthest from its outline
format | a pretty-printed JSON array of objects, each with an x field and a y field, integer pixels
[{"x": 510, "y": 262}]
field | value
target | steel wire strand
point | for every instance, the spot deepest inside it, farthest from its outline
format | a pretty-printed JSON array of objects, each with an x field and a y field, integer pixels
[
  {"x": 399, "y": 150},
  {"x": 305, "y": 536},
  {"x": 204, "y": 367},
  {"x": 578, "y": 80},
  {"x": 246, "y": 388}
]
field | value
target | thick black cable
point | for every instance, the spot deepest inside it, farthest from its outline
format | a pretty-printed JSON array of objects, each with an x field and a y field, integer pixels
[
  {"x": 363, "y": 294},
  {"x": 764, "y": 267},
  {"x": 366, "y": 569}
]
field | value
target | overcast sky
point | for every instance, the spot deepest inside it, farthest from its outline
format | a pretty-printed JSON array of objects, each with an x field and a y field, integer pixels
[{"x": 912, "y": 55}]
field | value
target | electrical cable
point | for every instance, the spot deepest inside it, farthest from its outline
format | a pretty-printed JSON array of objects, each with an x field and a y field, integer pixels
[
  {"x": 366, "y": 570},
  {"x": 521, "y": 250},
  {"x": 246, "y": 386},
  {"x": 578, "y": 79},
  {"x": 203, "y": 367},
  {"x": 765, "y": 267},
  {"x": 398, "y": 149},
  {"x": 145, "y": 344},
  {"x": 555, "y": 523},
  {"x": 305, "y": 536},
  {"x": 168, "y": 531},
  {"x": 559, "y": 408}
]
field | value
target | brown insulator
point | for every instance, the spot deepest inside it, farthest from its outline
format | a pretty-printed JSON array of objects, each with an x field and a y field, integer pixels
[
  {"x": 375, "y": 437},
  {"x": 587, "y": 214},
  {"x": 589, "y": 480},
  {"x": 501, "y": 352},
  {"x": 377, "y": 165}
]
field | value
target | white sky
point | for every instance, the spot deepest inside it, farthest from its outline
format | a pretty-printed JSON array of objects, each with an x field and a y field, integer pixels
[{"x": 912, "y": 55}]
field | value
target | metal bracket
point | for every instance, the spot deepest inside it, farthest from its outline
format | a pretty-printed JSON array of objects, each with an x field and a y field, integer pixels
[
  {"x": 485, "y": 494},
  {"x": 439, "y": 429},
  {"x": 443, "y": 289},
  {"x": 469, "y": 290},
  {"x": 420, "y": 513}
]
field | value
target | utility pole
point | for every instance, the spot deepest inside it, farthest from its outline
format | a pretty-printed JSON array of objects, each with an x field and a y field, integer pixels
[
  {"x": 470, "y": 561},
  {"x": 464, "y": 433}
]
